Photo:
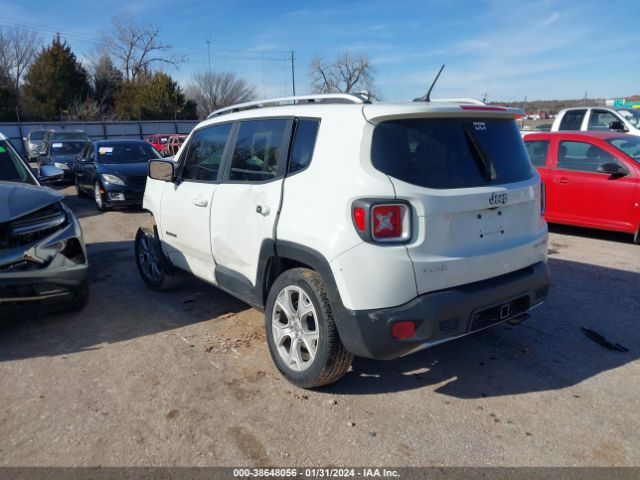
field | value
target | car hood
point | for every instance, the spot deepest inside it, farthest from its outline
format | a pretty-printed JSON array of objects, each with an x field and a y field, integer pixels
[
  {"x": 129, "y": 170},
  {"x": 18, "y": 199}
]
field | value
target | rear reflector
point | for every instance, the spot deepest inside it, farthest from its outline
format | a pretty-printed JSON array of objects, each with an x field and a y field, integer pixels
[
  {"x": 359, "y": 218},
  {"x": 403, "y": 329}
]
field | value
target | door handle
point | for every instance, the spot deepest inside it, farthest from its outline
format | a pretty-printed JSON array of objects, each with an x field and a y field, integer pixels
[
  {"x": 262, "y": 210},
  {"x": 200, "y": 202},
  {"x": 564, "y": 180}
]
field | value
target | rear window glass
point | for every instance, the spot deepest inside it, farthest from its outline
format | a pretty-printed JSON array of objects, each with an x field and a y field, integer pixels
[
  {"x": 572, "y": 120},
  {"x": 537, "y": 150},
  {"x": 451, "y": 153}
]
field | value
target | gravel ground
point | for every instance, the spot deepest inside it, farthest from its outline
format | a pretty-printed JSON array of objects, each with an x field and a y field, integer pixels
[{"x": 185, "y": 378}]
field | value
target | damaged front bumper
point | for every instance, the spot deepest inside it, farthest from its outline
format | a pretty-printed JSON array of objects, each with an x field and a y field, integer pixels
[{"x": 43, "y": 260}]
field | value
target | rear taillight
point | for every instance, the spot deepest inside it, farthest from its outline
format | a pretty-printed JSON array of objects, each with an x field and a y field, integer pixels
[
  {"x": 388, "y": 222},
  {"x": 543, "y": 198}
]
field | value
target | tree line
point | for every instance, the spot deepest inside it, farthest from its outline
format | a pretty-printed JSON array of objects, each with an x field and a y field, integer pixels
[{"x": 127, "y": 79}]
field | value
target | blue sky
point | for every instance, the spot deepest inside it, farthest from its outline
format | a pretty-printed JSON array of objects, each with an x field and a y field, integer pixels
[{"x": 507, "y": 49}]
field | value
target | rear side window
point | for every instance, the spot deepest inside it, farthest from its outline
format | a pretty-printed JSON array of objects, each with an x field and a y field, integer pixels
[
  {"x": 582, "y": 157},
  {"x": 303, "y": 145},
  {"x": 572, "y": 120},
  {"x": 204, "y": 154},
  {"x": 537, "y": 150},
  {"x": 259, "y": 154},
  {"x": 451, "y": 153}
]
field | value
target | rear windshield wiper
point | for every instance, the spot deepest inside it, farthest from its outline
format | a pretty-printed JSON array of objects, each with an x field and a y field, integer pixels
[{"x": 481, "y": 157}]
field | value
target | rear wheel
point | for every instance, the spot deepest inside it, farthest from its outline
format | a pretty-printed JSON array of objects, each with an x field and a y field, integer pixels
[
  {"x": 301, "y": 332},
  {"x": 151, "y": 263}
]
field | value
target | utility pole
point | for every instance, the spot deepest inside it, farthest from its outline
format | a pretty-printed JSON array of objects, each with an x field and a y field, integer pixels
[
  {"x": 293, "y": 74},
  {"x": 208, "y": 40}
]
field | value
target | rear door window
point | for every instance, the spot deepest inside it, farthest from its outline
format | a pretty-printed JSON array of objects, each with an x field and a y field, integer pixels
[
  {"x": 572, "y": 120},
  {"x": 537, "y": 150},
  {"x": 451, "y": 153},
  {"x": 260, "y": 151}
]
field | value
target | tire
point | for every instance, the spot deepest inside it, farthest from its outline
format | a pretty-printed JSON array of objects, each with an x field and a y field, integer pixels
[
  {"x": 81, "y": 299},
  {"x": 292, "y": 336},
  {"x": 98, "y": 198},
  {"x": 81, "y": 193},
  {"x": 151, "y": 263}
]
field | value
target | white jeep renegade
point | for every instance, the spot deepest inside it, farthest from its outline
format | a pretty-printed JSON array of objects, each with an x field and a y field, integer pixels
[{"x": 366, "y": 229}]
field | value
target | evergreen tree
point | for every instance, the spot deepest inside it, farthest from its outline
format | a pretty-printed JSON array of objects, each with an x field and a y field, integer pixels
[
  {"x": 153, "y": 96},
  {"x": 55, "y": 82},
  {"x": 107, "y": 79},
  {"x": 8, "y": 98}
]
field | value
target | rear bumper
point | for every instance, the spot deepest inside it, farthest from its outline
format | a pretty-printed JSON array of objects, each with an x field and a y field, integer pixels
[{"x": 443, "y": 315}]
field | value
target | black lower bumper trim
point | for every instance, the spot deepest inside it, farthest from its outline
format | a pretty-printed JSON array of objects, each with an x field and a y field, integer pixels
[{"x": 443, "y": 315}]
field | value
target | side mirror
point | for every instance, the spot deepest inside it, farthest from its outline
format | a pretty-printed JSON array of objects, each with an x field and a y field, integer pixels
[
  {"x": 618, "y": 126},
  {"x": 162, "y": 170},
  {"x": 613, "y": 169},
  {"x": 49, "y": 173}
]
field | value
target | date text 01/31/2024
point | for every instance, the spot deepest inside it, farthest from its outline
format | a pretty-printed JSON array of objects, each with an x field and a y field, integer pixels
[{"x": 314, "y": 472}]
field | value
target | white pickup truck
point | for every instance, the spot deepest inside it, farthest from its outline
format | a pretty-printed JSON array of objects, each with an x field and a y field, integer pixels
[{"x": 598, "y": 119}]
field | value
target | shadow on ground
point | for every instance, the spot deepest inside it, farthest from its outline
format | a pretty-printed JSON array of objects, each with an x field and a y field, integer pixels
[
  {"x": 547, "y": 352},
  {"x": 120, "y": 308}
]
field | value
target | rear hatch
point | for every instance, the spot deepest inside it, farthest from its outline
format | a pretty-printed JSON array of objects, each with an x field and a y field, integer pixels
[{"x": 476, "y": 198}]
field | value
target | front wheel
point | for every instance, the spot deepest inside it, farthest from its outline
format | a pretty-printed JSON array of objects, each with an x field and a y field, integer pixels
[
  {"x": 301, "y": 332},
  {"x": 151, "y": 266}
]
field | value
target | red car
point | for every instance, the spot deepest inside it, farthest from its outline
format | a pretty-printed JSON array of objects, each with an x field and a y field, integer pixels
[
  {"x": 592, "y": 179},
  {"x": 159, "y": 141}
]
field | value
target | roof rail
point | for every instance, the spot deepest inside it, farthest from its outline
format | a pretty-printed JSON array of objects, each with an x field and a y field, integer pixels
[
  {"x": 472, "y": 101},
  {"x": 280, "y": 101}
]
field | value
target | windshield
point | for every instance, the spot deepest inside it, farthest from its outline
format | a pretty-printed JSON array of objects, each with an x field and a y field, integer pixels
[
  {"x": 127, "y": 153},
  {"x": 451, "y": 153},
  {"x": 36, "y": 134},
  {"x": 67, "y": 148},
  {"x": 70, "y": 136},
  {"x": 632, "y": 116},
  {"x": 629, "y": 145},
  {"x": 12, "y": 168}
]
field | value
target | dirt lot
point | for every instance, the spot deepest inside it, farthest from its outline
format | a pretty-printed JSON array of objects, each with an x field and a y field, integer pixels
[{"x": 185, "y": 378}]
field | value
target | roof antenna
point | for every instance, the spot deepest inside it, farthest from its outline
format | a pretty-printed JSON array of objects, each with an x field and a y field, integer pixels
[{"x": 427, "y": 96}]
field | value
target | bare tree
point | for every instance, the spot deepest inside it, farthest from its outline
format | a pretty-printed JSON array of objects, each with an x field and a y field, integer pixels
[
  {"x": 18, "y": 49},
  {"x": 137, "y": 46},
  {"x": 212, "y": 91},
  {"x": 348, "y": 73}
]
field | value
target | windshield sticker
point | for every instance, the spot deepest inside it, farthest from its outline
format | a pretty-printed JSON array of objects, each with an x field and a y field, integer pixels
[
  {"x": 105, "y": 150},
  {"x": 56, "y": 145},
  {"x": 2, "y": 150}
]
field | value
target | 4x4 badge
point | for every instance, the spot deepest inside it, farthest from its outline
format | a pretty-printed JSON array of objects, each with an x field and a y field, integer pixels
[{"x": 498, "y": 199}]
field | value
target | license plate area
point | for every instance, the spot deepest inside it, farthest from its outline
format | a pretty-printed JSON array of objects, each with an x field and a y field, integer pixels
[
  {"x": 490, "y": 222},
  {"x": 499, "y": 313}
]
